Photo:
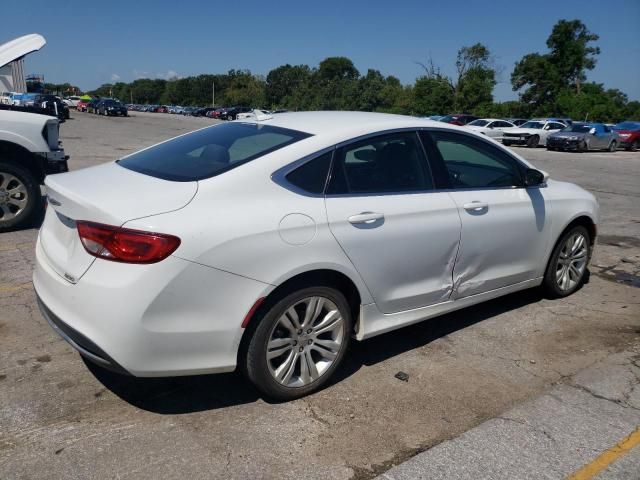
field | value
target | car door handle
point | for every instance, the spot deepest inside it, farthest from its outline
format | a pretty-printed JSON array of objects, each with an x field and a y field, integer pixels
[
  {"x": 365, "y": 217},
  {"x": 475, "y": 206}
]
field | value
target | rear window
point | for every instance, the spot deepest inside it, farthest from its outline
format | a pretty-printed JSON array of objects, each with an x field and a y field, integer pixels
[{"x": 211, "y": 151}]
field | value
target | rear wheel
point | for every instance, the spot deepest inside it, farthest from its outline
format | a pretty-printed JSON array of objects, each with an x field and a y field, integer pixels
[
  {"x": 533, "y": 141},
  {"x": 19, "y": 196},
  {"x": 299, "y": 343},
  {"x": 506, "y": 143},
  {"x": 635, "y": 146},
  {"x": 568, "y": 264}
]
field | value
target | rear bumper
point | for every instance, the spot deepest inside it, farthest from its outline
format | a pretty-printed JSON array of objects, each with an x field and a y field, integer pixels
[
  {"x": 170, "y": 318},
  {"x": 82, "y": 344}
]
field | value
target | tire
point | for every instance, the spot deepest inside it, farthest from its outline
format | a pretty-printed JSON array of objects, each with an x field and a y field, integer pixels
[
  {"x": 506, "y": 143},
  {"x": 583, "y": 147},
  {"x": 19, "y": 196},
  {"x": 301, "y": 352},
  {"x": 612, "y": 146},
  {"x": 567, "y": 270},
  {"x": 634, "y": 147},
  {"x": 533, "y": 141}
]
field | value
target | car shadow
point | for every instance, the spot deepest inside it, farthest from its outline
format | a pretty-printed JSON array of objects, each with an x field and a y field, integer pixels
[{"x": 180, "y": 395}]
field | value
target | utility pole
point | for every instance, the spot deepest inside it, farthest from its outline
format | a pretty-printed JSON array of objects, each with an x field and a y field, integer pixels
[{"x": 213, "y": 93}]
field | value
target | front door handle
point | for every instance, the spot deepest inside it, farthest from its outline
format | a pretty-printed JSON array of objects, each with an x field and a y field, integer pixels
[
  {"x": 475, "y": 206},
  {"x": 365, "y": 217}
]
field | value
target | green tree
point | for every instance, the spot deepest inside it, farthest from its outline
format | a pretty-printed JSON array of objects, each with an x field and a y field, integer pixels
[
  {"x": 283, "y": 82},
  {"x": 476, "y": 78},
  {"x": 433, "y": 95},
  {"x": 541, "y": 78}
]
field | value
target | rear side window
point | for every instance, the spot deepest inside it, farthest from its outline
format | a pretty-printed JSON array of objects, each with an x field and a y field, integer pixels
[
  {"x": 392, "y": 163},
  {"x": 210, "y": 151},
  {"x": 312, "y": 176}
]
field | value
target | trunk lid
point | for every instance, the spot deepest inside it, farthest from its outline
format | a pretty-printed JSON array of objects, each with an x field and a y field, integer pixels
[{"x": 108, "y": 194}]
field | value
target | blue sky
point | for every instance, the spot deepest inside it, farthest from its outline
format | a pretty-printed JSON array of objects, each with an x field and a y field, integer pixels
[{"x": 90, "y": 43}]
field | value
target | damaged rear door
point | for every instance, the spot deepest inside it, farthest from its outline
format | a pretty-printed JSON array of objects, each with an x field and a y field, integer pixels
[
  {"x": 400, "y": 234},
  {"x": 505, "y": 226}
]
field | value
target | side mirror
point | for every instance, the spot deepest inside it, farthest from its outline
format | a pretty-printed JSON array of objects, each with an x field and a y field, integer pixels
[
  {"x": 533, "y": 177},
  {"x": 592, "y": 131}
]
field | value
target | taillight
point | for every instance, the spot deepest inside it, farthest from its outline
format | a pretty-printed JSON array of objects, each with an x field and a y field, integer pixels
[{"x": 125, "y": 245}]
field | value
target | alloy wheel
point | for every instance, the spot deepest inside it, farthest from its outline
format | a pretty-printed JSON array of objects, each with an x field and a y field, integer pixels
[
  {"x": 572, "y": 261},
  {"x": 305, "y": 341},
  {"x": 13, "y": 196}
]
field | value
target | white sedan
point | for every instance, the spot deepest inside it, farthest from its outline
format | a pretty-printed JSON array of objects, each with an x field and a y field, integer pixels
[
  {"x": 491, "y": 127},
  {"x": 269, "y": 244},
  {"x": 533, "y": 133}
]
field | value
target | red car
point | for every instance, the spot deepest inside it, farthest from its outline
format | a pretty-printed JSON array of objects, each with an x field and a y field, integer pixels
[
  {"x": 458, "y": 119},
  {"x": 629, "y": 135},
  {"x": 82, "y": 105}
]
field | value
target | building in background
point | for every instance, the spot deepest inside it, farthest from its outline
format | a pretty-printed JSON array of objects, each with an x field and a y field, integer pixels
[{"x": 12, "y": 77}]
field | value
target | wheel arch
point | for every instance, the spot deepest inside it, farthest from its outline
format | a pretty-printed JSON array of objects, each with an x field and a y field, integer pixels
[
  {"x": 583, "y": 220},
  {"x": 18, "y": 155},
  {"x": 324, "y": 277}
]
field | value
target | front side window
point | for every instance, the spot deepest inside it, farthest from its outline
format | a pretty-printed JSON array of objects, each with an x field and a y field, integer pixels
[
  {"x": 392, "y": 163},
  {"x": 210, "y": 151},
  {"x": 474, "y": 163}
]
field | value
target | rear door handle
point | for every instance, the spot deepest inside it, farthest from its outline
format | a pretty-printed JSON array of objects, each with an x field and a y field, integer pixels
[
  {"x": 365, "y": 217},
  {"x": 475, "y": 206}
]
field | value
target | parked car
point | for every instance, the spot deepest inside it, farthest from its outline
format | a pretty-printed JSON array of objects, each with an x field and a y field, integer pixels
[
  {"x": 517, "y": 121},
  {"x": 582, "y": 137},
  {"x": 252, "y": 114},
  {"x": 53, "y": 104},
  {"x": 201, "y": 112},
  {"x": 92, "y": 106},
  {"x": 532, "y": 133},
  {"x": 629, "y": 134},
  {"x": 458, "y": 119},
  {"x": 163, "y": 264},
  {"x": 72, "y": 101},
  {"x": 231, "y": 112},
  {"x": 111, "y": 107},
  {"x": 491, "y": 127},
  {"x": 81, "y": 106},
  {"x": 29, "y": 150}
]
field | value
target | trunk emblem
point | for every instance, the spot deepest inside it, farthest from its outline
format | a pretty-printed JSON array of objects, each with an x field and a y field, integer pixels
[{"x": 71, "y": 278}]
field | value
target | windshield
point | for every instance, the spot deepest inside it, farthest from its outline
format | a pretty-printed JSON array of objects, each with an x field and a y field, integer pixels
[
  {"x": 448, "y": 118},
  {"x": 536, "y": 125},
  {"x": 210, "y": 151},
  {"x": 479, "y": 123},
  {"x": 577, "y": 128},
  {"x": 627, "y": 126}
]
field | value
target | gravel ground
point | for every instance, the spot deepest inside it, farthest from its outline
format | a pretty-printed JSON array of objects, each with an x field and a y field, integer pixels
[{"x": 62, "y": 418}]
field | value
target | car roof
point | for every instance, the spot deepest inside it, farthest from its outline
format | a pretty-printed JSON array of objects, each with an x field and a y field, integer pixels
[{"x": 344, "y": 124}]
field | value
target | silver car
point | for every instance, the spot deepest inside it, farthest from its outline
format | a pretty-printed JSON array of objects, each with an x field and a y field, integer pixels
[{"x": 582, "y": 137}]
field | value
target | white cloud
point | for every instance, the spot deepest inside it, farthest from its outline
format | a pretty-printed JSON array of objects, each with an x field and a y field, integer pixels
[
  {"x": 168, "y": 75},
  {"x": 115, "y": 77}
]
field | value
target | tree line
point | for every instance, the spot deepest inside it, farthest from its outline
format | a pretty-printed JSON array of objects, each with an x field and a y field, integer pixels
[{"x": 552, "y": 83}]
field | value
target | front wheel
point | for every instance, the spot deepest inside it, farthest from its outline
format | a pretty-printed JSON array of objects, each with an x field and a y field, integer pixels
[
  {"x": 567, "y": 267},
  {"x": 299, "y": 343},
  {"x": 533, "y": 141},
  {"x": 635, "y": 146},
  {"x": 19, "y": 196},
  {"x": 612, "y": 146}
]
